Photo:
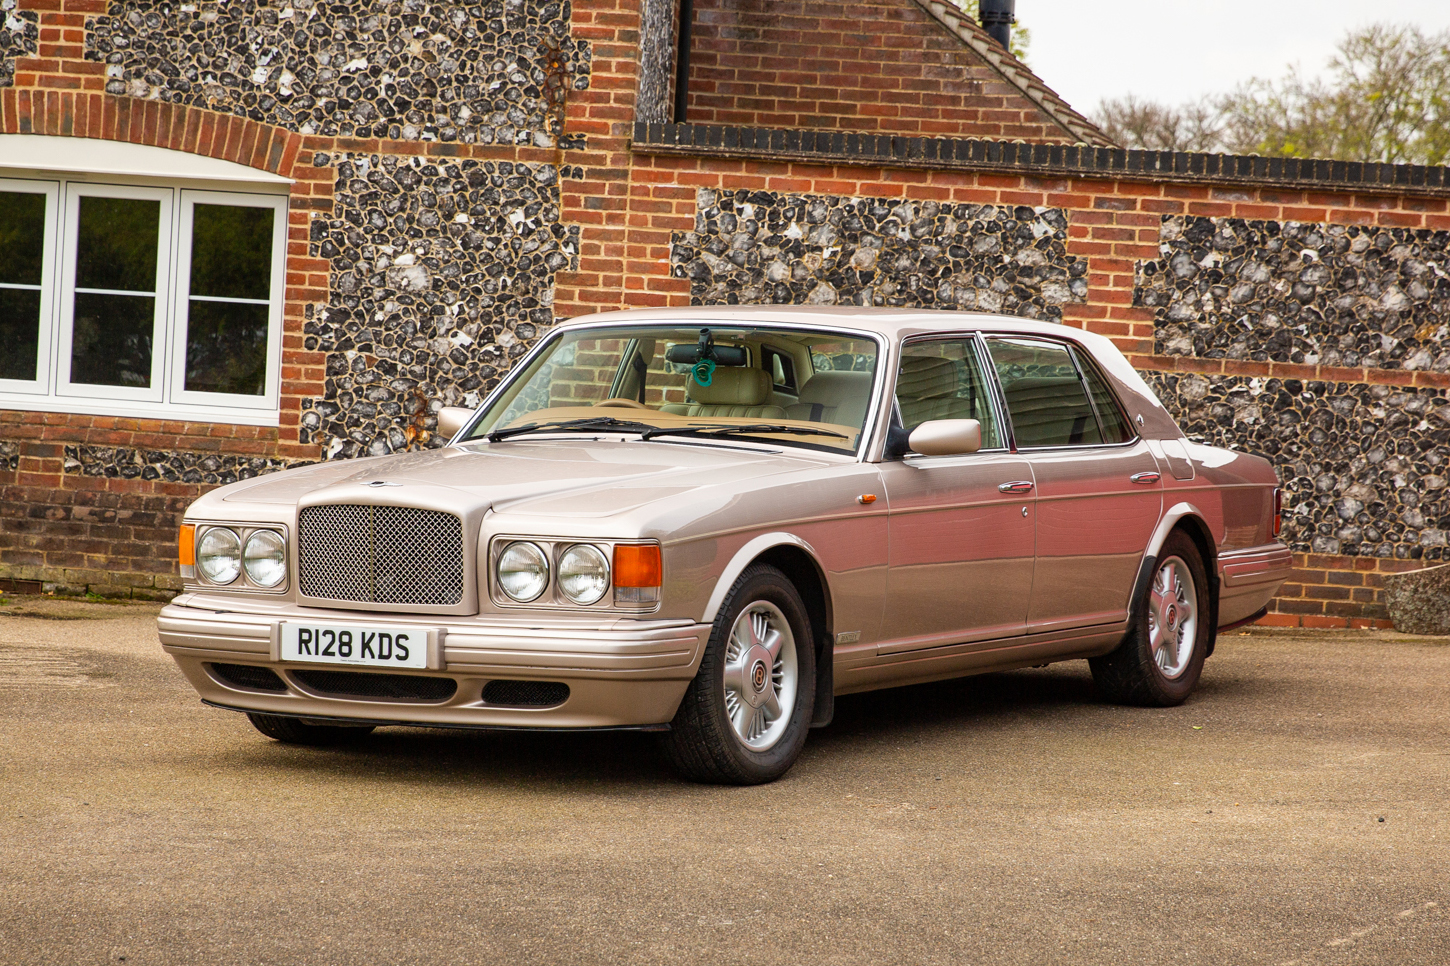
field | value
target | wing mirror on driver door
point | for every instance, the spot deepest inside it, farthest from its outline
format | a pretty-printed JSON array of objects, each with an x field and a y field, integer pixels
[
  {"x": 451, "y": 420},
  {"x": 944, "y": 437}
]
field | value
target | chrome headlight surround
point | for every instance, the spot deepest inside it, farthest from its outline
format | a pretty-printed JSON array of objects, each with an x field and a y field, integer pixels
[
  {"x": 232, "y": 570},
  {"x": 583, "y": 574},
  {"x": 522, "y": 571}
]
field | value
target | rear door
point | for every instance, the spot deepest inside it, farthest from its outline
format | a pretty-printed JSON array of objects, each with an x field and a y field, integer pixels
[
  {"x": 960, "y": 527},
  {"x": 1098, "y": 490}
]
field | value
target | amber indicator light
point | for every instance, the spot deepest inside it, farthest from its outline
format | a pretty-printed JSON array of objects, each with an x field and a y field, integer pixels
[
  {"x": 866, "y": 498},
  {"x": 186, "y": 546},
  {"x": 637, "y": 566}
]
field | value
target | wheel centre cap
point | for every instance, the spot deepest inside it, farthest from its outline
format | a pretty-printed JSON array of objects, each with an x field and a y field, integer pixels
[
  {"x": 757, "y": 676},
  {"x": 1170, "y": 616}
]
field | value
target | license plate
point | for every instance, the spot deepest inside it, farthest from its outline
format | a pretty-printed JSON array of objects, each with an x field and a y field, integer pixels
[{"x": 370, "y": 645}]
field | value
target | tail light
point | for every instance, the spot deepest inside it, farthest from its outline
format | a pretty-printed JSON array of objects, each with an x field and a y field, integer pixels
[{"x": 1278, "y": 510}]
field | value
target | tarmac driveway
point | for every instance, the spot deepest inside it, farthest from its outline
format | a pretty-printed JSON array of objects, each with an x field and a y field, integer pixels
[{"x": 1297, "y": 809}]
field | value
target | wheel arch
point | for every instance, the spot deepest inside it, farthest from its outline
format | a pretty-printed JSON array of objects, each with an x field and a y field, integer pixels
[
  {"x": 796, "y": 559},
  {"x": 1188, "y": 519}
]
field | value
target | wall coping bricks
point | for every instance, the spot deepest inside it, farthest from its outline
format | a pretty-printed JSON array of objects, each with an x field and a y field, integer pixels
[{"x": 1035, "y": 160}]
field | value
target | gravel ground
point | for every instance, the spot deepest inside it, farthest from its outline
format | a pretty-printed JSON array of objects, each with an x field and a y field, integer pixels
[{"x": 1293, "y": 811}]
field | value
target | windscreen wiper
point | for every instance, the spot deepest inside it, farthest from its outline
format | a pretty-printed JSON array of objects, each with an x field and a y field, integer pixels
[
  {"x": 753, "y": 429},
  {"x": 571, "y": 425}
]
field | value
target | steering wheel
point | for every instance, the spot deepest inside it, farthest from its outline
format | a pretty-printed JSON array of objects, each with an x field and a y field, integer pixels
[{"x": 619, "y": 402}]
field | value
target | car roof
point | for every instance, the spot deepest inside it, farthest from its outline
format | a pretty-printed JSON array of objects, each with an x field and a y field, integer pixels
[{"x": 896, "y": 324}]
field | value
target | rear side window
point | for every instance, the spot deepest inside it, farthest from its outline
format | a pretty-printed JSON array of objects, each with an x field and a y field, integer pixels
[
  {"x": 781, "y": 368},
  {"x": 1045, "y": 395},
  {"x": 1115, "y": 428}
]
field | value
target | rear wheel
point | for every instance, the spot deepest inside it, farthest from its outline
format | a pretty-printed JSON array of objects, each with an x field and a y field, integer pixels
[
  {"x": 744, "y": 718},
  {"x": 1160, "y": 660},
  {"x": 295, "y": 731}
]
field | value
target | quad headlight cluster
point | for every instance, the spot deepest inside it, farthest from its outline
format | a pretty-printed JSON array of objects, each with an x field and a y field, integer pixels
[
  {"x": 223, "y": 554},
  {"x": 579, "y": 573}
]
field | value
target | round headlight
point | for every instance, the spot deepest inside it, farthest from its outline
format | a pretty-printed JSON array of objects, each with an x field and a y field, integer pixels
[
  {"x": 219, "y": 555},
  {"x": 265, "y": 558},
  {"x": 523, "y": 571},
  {"x": 583, "y": 574}
]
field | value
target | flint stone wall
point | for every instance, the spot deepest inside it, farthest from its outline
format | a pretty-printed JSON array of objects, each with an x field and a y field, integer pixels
[
  {"x": 19, "y": 35},
  {"x": 761, "y": 247},
  {"x": 442, "y": 276},
  {"x": 172, "y": 467},
  {"x": 1336, "y": 295},
  {"x": 1363, "y": 467},
  {"x": 497, "y": 72}
]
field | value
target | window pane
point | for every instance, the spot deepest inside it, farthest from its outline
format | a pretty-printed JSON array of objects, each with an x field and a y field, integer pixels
[
  {"x": 19, "y": 332},
  {"x": 226, "y": 347},
  {"x": 116, "y": 246},
  {"x": 22, "y": 237},
  {"x": 111, "y": 340},
  {"x": 942, "y": 380},
  {"x": 231, "y": 251},
  {"x": 1044, "y": 394},
  {"x": 1110, "y": 415}
]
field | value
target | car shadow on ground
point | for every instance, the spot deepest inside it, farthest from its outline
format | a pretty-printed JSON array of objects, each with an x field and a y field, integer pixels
[{"x": 863, "y": 722}]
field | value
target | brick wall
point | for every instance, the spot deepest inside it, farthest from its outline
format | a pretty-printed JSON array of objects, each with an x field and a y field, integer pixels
[{"x": 869, "y": 65}]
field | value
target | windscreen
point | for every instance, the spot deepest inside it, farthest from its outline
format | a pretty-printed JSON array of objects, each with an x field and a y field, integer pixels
[{"x": 798, "y": 387}]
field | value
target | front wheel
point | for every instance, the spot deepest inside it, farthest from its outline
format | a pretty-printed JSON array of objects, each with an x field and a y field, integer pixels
[
  {"x": 1160, "y": 660},
  {"x": 744, "y": 718}
]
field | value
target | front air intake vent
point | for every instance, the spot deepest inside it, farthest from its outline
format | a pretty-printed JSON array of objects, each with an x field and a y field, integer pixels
[
  {"x": 247, "y": 676},
  {"x": 526, "y": 694},
  {"x": 376, "y": 687},
  {"x": 380, "y": 554}
]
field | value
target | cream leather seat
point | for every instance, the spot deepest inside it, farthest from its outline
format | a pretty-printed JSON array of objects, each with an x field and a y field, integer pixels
[
  {"x": 733, "y": 391},
  {"x": 834, "y": 397}
]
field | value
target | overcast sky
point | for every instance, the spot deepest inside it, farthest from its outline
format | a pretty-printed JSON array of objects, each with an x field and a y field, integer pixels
[{"x": 1176, "y": 50}]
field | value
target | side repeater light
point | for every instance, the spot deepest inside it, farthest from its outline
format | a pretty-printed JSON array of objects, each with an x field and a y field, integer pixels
[
  {"x": 186, "y": 550},
  {"x": 638, "y": 574}
]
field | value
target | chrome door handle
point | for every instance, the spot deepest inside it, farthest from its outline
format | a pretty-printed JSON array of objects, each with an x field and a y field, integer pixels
[
  {"x": 1019, "y": 486},
  {"x": 1148, "y": 477}
]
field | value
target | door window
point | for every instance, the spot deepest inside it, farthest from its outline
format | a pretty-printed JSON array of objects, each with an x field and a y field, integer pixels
[
  {"x": 942, "y": 379},
  {"x": 1045, "y": 395}
]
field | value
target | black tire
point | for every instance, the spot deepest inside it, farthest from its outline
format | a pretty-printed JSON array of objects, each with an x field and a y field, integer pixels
[
  {"x": 295, "y": 731},
  {"x": 703, "y": 743},
  {"x": 1131, "y": 674}
]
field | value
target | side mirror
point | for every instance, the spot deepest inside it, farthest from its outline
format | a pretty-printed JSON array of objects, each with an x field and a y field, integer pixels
[
  {"x": 946, "y": 437},
  {"x": 451, "y": 419}
]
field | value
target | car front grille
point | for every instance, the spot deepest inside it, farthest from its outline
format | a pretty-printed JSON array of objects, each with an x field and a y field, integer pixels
[
  {"x": 376, "y": 687},
  {"x": 380, "y": 554}
]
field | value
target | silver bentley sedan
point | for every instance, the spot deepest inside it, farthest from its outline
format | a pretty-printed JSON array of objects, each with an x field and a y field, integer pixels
[{"x": 708, "y": 522}]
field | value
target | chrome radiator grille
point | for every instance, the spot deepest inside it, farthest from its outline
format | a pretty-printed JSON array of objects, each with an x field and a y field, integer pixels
[{"x": 380, "y": 554}]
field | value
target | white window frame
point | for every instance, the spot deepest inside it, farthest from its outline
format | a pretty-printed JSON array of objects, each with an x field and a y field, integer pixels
[
  {"x": 190, "y": 198},
  {"x": 40, "y": 385},
  {"x": 166, "y": 397}
]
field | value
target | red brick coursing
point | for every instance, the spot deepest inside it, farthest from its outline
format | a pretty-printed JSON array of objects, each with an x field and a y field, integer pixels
[
  {"x": 628, "y": 205},
  {"x": 872, "y": 65}
]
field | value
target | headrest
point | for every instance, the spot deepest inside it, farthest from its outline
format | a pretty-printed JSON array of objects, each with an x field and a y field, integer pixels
[
  {"x": 833, "y": 387},
  {"x": 926, "y": 377},
  {"x": 733, "y": 387}
]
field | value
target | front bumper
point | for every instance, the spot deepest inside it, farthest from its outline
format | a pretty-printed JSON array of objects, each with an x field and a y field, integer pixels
[{"x": 620, "y": 672}]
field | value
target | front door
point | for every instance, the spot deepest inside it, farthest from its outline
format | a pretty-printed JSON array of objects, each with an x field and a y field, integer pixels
[
  {"x": 960, "y": 528},
  {"x": 1099, "y": 495}
]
